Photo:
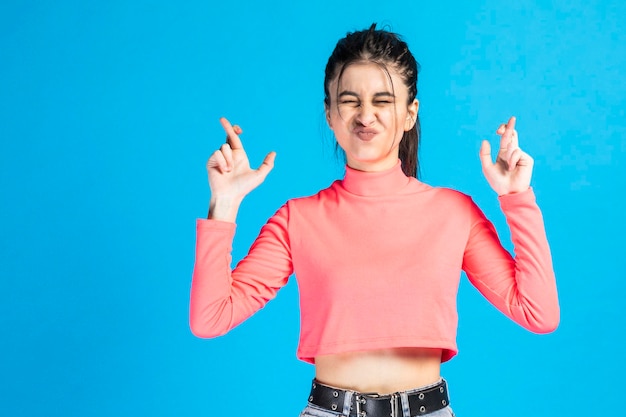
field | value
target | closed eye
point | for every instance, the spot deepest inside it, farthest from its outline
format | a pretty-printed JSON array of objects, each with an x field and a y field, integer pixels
[{"x": 348, "y": 97}]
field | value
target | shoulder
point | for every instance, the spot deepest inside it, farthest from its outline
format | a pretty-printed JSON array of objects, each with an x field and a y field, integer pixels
[
  {"x": 441, "y": 195},
  {"x": 328, "y": 193},
  {"x": 451, "y": 204}
]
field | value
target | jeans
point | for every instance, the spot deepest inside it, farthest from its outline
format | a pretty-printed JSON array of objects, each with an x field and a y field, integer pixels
[{"x": 314, "y": 411}]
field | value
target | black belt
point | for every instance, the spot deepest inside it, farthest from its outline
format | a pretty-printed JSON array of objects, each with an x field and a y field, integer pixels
[{"x": 421, "y": 402}]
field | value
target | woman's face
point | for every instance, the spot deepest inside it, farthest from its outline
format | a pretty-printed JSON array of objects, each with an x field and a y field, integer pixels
[{"x": 368, "y": 115}]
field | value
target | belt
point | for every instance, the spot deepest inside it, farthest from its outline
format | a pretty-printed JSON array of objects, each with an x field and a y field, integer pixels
[{"x": 421, "y": 402}]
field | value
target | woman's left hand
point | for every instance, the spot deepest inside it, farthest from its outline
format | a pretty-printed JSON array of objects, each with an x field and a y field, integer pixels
[{"x": 513, "y": 168}]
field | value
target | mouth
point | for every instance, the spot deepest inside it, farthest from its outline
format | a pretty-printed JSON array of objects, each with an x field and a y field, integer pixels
[{"x": 365, "y": 133}]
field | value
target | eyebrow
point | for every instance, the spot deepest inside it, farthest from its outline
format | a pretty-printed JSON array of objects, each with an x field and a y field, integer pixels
[{"x": 376, "y": 95}]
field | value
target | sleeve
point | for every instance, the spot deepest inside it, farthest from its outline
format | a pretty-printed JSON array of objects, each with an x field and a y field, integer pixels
[
  {"x": 524, "y": 287},
  {"x": 222, "y": 298}
]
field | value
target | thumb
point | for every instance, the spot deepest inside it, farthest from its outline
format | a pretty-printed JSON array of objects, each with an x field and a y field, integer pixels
[
  {"x": 485, "y": 154},
  {"x": 267, "y": 165}
]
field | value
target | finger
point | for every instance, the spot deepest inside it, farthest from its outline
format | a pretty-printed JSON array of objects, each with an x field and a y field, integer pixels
[
  {"x": 514, "y": 139},
  {"x": 511, "y": 132},
  {"x": 231, "y": 136},
  {"x": 267, "y": 165},
  {"x": 520, "y": 158},
  {"x": 508, "y": 139},
  {"x": 227, "y": 152},
  {"x": 511, "y": 123},
  {"x": 485, "y": 154},
  {"x": 217, "y": 161},
  {"x": 237, "y": 129},
  {"x": 508, "y": 143},
  {"x": 514, "y": 158}
]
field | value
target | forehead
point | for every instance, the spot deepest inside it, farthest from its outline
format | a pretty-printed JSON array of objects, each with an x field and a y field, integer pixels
[{"x": 369, "y": 76}]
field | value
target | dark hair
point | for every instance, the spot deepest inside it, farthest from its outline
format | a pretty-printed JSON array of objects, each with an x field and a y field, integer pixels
[{"x": 386, "y": 49}]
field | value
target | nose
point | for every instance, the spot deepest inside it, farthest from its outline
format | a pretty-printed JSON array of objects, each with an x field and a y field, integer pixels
[{"x": 366, "y": 115}]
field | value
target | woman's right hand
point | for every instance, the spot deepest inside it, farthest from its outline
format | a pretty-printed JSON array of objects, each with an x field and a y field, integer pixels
[{"x": 230, "y": 175}]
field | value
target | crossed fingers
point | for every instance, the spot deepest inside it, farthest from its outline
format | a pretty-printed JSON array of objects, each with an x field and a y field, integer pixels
[
  {"x": 509, "y": 152},
  {"x": 223, "y": 157}
]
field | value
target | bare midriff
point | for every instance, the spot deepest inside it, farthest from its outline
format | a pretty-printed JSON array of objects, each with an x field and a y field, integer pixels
[{"x": 380, "y": 371}]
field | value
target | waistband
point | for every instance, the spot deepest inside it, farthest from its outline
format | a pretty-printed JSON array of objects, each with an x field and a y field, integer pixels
[{"x": 357, "y": 404}]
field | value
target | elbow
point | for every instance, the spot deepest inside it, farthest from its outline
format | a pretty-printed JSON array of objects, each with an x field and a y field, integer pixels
[
  {"x": 547, "y": 328},
  {"x": 204, "y": 331},
  {"x": 547, "y": 324},
  {"x": 208, "y": 326},
  {"x": 541, "y": 317},
  {"x": 551, "y": 325},
  {"x": 539, "y": 321},
  {"x": 199, "y": 332}
]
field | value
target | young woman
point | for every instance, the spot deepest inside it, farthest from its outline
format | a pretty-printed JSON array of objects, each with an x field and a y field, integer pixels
[{"x": 377, "y": 255}]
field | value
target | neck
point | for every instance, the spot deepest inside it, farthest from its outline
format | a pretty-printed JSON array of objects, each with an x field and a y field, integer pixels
[{"x": 375, "y": 183}]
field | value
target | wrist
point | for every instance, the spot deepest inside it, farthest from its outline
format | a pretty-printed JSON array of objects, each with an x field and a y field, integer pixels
[{"x": 224, "y": 208}]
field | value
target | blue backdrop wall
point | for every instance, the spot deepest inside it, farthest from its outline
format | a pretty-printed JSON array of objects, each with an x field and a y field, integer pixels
[{"x": 109, "y": 110}]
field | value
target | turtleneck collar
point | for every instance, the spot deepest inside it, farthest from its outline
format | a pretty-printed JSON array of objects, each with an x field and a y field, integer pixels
[{"x": 378, "y": 183}]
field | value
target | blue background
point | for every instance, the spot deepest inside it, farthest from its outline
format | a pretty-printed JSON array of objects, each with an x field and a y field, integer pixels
[{"x": 109, "y": 110}]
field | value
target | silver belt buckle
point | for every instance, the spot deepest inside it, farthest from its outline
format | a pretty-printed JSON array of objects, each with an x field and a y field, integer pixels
[
  {"x": 394, "y": 406},
  {"x": 358, "y": 400}
]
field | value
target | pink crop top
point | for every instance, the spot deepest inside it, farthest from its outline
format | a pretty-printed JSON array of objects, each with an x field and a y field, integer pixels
[{"x": 377, "y": 257}]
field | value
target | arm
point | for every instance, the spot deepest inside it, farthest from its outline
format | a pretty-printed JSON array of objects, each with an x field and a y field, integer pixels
[
  {"x": 218, "y": 302},
  {"x": 222, "y": 298},
  {"x": 524, "y": 287}
]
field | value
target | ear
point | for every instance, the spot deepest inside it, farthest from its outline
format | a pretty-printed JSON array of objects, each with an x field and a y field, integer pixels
[
  {"x": 411, "y": 116},
  {"x": 327, "y": 112}
]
